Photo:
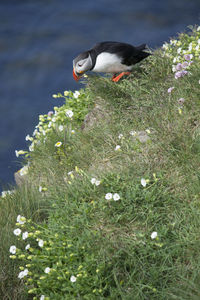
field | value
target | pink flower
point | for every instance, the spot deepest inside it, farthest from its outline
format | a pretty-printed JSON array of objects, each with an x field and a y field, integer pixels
[
  {"x": 188, "y": 56},
  {"x": 181, "y": 101},
  {"x": 185, "y": 64},
  {"x": 179, "y": 67},
  {"x": 177, "y": 74},
  {"x": 180, "y": 74},
  {"x": 50, "y": 113},
  {"x": 170, "y": 89}
]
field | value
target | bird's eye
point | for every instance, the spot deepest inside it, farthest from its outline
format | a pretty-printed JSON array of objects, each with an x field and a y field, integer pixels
[{"x": 80, "y": 64}]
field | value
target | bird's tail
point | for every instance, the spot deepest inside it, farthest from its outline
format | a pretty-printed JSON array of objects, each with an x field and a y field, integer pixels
[{"x": 144, "y": 48}]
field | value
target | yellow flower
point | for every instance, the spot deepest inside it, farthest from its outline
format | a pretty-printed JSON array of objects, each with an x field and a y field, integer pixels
[
  {"x": 58, "y": 144},
  {"x": 20, "y": 152},
  {"x": 31, "y": 291},
  {"x": 180, "y": 111}
]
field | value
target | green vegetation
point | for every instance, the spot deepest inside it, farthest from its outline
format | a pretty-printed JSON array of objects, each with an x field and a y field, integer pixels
[{"x": 111, "y": 209}]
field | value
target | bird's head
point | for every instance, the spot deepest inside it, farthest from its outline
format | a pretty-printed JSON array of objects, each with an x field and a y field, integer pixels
[{"x": 81, "y": 64}]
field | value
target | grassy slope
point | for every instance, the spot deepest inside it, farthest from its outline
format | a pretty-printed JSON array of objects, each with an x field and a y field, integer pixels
[{"x": 116, "y": 235}]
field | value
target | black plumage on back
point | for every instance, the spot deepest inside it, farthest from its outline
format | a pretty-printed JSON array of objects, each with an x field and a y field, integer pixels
[{"x": 130, "y": 55}]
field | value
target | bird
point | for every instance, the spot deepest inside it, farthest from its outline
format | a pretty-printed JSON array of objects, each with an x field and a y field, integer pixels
[{"x": 109, "y": 57}]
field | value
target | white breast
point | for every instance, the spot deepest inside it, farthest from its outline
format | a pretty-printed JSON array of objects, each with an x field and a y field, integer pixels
[{"x": 109, "y": 63}]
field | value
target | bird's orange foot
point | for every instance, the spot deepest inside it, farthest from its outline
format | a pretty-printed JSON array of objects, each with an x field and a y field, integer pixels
[{"x": 117, "y": 78}]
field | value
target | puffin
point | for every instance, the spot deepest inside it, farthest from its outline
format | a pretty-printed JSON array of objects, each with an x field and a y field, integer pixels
[{"x": 109, "y": 57}]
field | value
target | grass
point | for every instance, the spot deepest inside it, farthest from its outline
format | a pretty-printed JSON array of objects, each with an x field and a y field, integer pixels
[{"x": 105, "y": 244}]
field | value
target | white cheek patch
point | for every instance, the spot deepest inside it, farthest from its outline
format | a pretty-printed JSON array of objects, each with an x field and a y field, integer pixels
[
  {"x": 109, "y": 62},
  {"x": 84, "y": 64}
]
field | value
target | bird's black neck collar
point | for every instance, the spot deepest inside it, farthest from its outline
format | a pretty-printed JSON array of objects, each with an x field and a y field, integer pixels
[{"x": 93, "y": 55}]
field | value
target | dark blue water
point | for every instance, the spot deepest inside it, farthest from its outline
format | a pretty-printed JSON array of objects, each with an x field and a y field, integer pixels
[{"x": 39, "y": 39}]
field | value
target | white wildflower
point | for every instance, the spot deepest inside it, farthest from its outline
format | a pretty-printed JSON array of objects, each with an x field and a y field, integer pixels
[
  {"x": 5, "y": 193},
  {"x": 73, "y": 278},
  {"x": 13, "y": 249},
  {"x": 190, "y": 47},
  {"x": 41, "y": 243},
  {"x": 154, "y": 235},
  {"x": 28, "y": 138},
  {"x": 60, "y": 127},
  {"x": 179, "y": 50},
  {"x": 20, "y": 152},
  {"x": 27, "y": 246},
  {"x": 25, "y": 272},
  {"x": 120, "y": 136},
  {"x": 116, "y": 197},
  {"x": 22, "y": 274},
  {"x": 47, "y": 270},
  {"x": 173, "y": 68},
  {"x": 108, "y": 196},
  {"x": 21, "y": 220},
  {"x": 93, "y": 180},
  {"x": 35, "y": 132},
  {"x": 69, "y": 113},
  {"x": 143, "y": 182},
  {"x": 133, "y": 133},
  {"x": 24, "y": 235},
  {"x": 66, "y": 93},
  {"x": 42, "y": 297},
  {"x": 17, "y": 231},
  {"x": 165, "y": 46},
  {"x": 117, "y": 147},
  {"x": 31, "y": 147},
  {"x": 76, "y": 94}
]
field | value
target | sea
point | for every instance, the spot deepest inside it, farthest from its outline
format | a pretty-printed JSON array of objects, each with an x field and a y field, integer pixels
[{"x": 40, "y": 38}]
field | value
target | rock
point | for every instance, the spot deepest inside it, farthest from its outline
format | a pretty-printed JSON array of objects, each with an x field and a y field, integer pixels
[
  {"x": 21, "y": 175},
  {"x": 142, "y": 136},
  {"x": 97, "y": 114}
]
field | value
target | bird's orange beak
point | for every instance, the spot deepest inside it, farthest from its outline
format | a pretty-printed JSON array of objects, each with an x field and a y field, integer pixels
[{"x": 76, "y": 77}]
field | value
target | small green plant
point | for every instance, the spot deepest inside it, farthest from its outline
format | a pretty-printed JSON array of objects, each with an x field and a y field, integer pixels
[
  {"x": 55, "y": 265},
  {"x": 183, "y": 51}
]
